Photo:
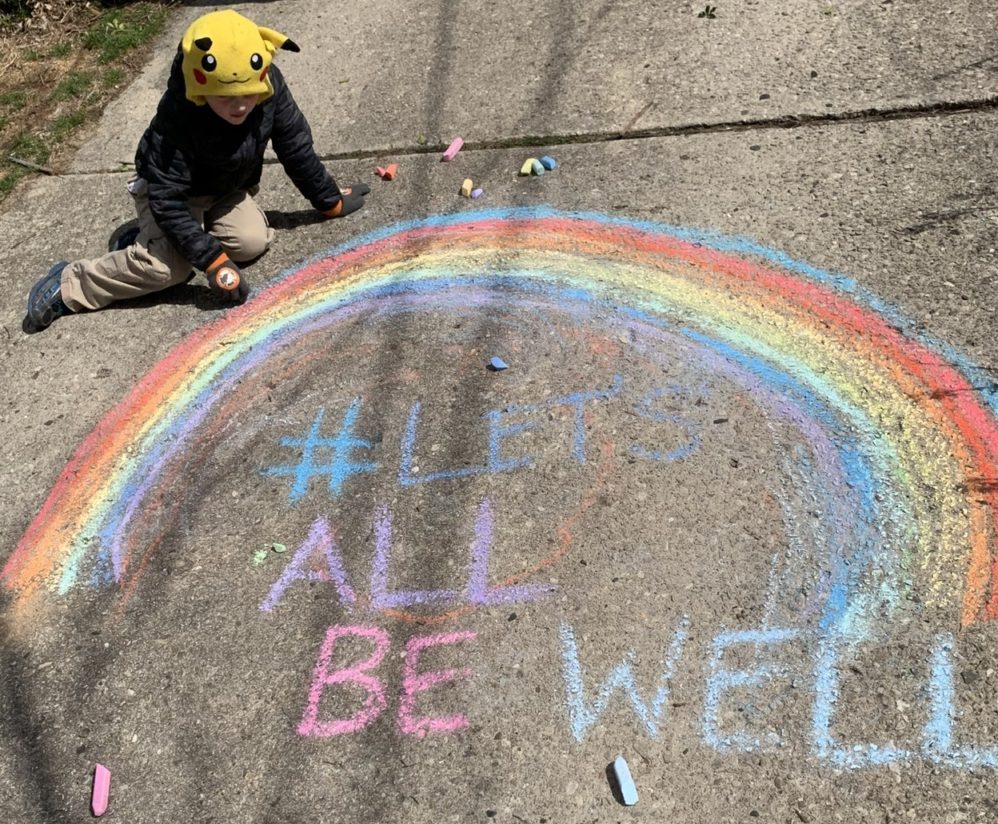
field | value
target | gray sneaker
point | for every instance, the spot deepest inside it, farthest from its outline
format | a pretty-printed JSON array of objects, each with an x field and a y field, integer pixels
[{"x": 45, "y": 298}]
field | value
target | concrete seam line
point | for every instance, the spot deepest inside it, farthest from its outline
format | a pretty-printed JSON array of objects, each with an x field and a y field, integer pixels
[{"x": 788, "y": 121}]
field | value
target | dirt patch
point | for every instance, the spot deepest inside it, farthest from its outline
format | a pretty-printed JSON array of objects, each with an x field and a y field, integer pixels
[{"x": 63, "y": 62}]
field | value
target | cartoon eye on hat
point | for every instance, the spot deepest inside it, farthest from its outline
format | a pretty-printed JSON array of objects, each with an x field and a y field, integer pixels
[{"x": 208, "y": 62}]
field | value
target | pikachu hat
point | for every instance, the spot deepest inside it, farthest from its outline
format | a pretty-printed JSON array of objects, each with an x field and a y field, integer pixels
[{"x": 227, "y": 54}]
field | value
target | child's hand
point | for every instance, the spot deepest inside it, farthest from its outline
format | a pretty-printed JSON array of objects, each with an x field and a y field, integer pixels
[
  {"x": 352, "y": 199},
  {"x": 226, "y": 281}
]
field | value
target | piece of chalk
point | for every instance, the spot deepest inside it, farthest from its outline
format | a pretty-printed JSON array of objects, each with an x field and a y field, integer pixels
[
  {"x": 549, "y": 162},
  {"x": 102, "y": 789},
  {"x": 466, "y": 187},
  {"x": 537, "y": 167},
  {"x": 497, "y": 364},
  {"x": 453, "y": 149},
  {"x": 391, "y": 170},
  {"x": 380, "y": 171},
  {"x": 528, "y": 166},
  {"x": 477, "y": 193},
  {"x": 628, "y": 792}
]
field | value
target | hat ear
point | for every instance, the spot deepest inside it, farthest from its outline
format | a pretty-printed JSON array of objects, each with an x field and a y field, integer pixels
[{"x": 275, "y": 40}]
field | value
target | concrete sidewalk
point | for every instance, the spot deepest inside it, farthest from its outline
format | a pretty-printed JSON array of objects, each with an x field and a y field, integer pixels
[{"x": 729, "y": 512}]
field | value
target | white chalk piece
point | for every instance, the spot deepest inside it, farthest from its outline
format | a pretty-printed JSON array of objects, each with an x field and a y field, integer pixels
[
  {"x": 628, "y": 792},
  {"x": 549, "y": 162},
  {"x": 102, "y": 789},
  {"x": 497, "y": 364}
]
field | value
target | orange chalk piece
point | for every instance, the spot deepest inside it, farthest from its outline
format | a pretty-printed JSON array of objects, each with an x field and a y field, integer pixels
[
  {"x": 391, "y": 170},
  {"x": 453, "y": 149},
  {"x": 101, "y": 791},
  {"x": 466, "y": 187}
]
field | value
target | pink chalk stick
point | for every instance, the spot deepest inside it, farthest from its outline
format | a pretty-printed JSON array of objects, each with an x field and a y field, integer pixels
[
  {"x": 102, "y": 788},
  {"x": 453, "y": 149}
]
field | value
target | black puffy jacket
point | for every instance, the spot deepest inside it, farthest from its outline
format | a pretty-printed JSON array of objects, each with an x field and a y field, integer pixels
[{"x": 189, "y": 151}]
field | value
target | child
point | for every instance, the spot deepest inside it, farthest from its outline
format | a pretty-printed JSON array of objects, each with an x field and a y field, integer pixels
[{"x": 198, "y": 166}]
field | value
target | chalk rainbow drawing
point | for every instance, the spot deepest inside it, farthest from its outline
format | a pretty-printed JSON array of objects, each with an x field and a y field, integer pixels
[{"x": 902, "y": 442}]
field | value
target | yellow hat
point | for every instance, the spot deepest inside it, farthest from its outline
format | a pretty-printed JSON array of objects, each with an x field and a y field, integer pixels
[{"x": 228, "y": 54}]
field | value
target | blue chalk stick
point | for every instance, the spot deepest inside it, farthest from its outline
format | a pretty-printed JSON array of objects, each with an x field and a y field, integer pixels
[
  {"x": 549, "y": 162},
  {"x": 628, "y": 792},
  {"x": 497, "y": 364}
]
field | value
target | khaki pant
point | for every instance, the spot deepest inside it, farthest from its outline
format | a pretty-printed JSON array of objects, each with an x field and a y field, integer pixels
[{"x": 153, "y": 262}]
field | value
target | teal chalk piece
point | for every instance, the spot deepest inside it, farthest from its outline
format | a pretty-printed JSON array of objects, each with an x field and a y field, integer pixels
[
  {"x": 628, "y": 792},
  {"x": 537, "y": 167},
  {"x": 549, "y": 162}
]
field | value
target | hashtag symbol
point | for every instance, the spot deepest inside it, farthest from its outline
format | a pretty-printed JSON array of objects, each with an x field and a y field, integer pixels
[{"x": 337, "y": 469}]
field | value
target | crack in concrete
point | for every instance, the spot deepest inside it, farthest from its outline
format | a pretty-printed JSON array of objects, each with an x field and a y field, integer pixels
[
  {"x": 787, "y": 121},
  {"x": 791, "y": 121}
]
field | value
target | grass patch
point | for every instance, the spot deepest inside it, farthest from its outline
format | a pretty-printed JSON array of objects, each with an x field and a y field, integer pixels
[
  {"x": 14, "y": 99},
  {"x": 120, "y": 30},
  {"x": 73, "y": 86},
  {"x": 63, "y": 126},
  {"x": 69, "y": 63},
  {"x": 28, "y": 146},
  {"x": 11, "y": 177},
  {"x": 111, "y": 78}
]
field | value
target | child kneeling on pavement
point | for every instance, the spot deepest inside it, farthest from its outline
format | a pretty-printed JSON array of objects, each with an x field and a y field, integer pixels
[{"x": 199, "y": 165}]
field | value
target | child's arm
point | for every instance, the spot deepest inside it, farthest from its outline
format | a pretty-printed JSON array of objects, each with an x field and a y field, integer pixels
[
  {"x": 292, "y": 139},
  {"x": 166, "y": 170}
]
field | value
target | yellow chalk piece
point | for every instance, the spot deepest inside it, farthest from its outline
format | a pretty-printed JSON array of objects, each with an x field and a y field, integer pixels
[
  {"x": 466, "y": 187},
  {"x": 528, "y": 166}
]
